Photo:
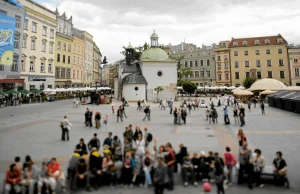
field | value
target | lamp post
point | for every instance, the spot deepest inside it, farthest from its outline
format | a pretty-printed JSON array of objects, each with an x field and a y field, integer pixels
[{"x": 103, "y": 62}]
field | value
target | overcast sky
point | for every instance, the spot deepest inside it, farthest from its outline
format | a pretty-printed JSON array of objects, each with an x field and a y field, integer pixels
[{"x": 115, "y": 23}]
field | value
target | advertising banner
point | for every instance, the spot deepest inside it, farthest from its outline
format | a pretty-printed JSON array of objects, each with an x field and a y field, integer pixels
[{"x": 7, "y": 31}]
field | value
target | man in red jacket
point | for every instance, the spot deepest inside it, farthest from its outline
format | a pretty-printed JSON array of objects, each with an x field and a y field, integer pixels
[{"x": 13, "y": 179}]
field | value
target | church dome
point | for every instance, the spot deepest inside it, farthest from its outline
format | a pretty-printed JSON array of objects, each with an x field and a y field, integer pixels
[{"x": 154, "y": 54}]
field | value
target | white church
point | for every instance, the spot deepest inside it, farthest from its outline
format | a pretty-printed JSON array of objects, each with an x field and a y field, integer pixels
[{"x": 137, "y": 79}]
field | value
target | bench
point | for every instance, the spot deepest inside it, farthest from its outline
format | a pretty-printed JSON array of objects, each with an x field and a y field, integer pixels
[{"x": 267, "y": 175}]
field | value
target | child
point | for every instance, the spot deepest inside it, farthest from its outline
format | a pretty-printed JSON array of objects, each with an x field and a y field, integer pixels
[
  {"x": 105, "y": 120},
  {"x": 113, "y": 109}
]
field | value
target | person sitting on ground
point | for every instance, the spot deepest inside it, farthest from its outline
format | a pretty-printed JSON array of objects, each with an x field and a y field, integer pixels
[
  {"x": 259, "y": 165},
  {"x": 94, "y": 143},
  {"x": 280, "y": 170},
  {"x": 55, "y": 173},
  {"x": 82, "y": 174},
  {"x": 95, "y": 167},
  {"x": 13, "y": 179},
  {"x": 187, "y": 167},
  {"x": 81, "y": 148},
  {"x": 43, "y": 179},
  {"x": 18, "y": 162},
  {"x": 30, "y": 177},
  {"x": 137, "y": 132}
]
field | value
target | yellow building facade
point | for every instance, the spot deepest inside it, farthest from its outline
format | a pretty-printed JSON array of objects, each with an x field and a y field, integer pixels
[
  {"x": 222, "y": 58},
  {"x": 259, "y": 57},
  {"x": 294, "y": 57},
  {"x": 96, "y": 63},
  {"x": 63, "y": 51},
  {"x": 77, "y": 68}
]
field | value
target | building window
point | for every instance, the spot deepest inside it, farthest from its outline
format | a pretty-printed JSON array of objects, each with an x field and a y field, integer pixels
[
  {"x": 64, "y": 59},
  {"x": 32, "y": 87},
  {"x": 81, "y": 60},
  {"x": 226, "y": 66},
  {"x": 50, "y": 67},
  {"x": 201, "y": 73},
  {"x": 42, "y": 67},
  {"x": 281, "y": 74},
  {"x": 31, "y": 65},
  {"x": 246, "y": 52},
  {"x": 77, "y": 74},
  {"x": 18, "y": 21},
  {"x": 247, "y": 64},
  {"x": 74, "y": 59},
  {"x": 196, "y": 73},
  {"x": 237, "y": 75},
  {"x": 236, "y": 64},
  {"x": 32, "y": 44},
  {"x": 208, "y": 62},
  {"x": 235, "y": 43},
  {"x": 44, "y": 32},
  {"x": 74, "y": 74},
  {"x": 58, "y": 57},
  {"x": 201, "y": 62},
  {"x": 192, "y": 74},
  {"x": 64, "y": 47},
  {"x": 24, "y": 42},
  {"x": 258, "y": 74},
  {"x": 225, "y": 58},
  {"x": 51, "y": 33},
  {"x": 270, "y": 75},
  {"x": 196, "y": 63},
  {"x": 58, "y": 45},
  {"x": 219, "y": 76},
  {"x": 78, "y": 61},
  {"x": 295, "y": 60},
  {"x": 267, "y": 41},
  {"x": 247, "y": 74},
  {"x": 256, "y": 42},
  {"x": 280, "y": 62},
  {"x": 245, "y": 43},
  {"x": 43, "y": 46},
  {"x": 63, "y": 73},
  {"x": 268, "y": 51},
  {"x": 208, "y": 73},
  {"x": 69, "y": 59},
  {"x": 191, "y": 63},
  {"x": 269, "y": 63},
  {"x": 42, "y": 86},
  {"x": 68, "y": 76},
  {"x": 1, "y": 67},
  {"x": 257, "y": 52},
  {"x": 236, "y": 53},
  {"x": 17, "y": 40},
  {"x": 23, "y": 64},
  {"x": 279, "y": 40},
  {"x": 280, "y": 51},
  {"x": 226, "y": 76},
  {"x": 219, "y": 66},
  {"x": 186, "y": 64},
  {"x": 69, "y": 48},
  {"x": 297, "y": 72},
  {"x": 57, "y": 72},
  {"x": 34, "y": 27},
  {"x": 26, "y": 25},
  {"x": 74, "y": 49},
  {"x": 51, "y": 48},
  {"x": 258, "y": 63},
  {"x": 219, "y": 58},
  {"x": 14, "y": 66}
]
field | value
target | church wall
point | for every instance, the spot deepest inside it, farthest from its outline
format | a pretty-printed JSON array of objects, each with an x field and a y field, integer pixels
[
  {"x": 130, "y": 94},
  {"x": 168, "y": 80}
]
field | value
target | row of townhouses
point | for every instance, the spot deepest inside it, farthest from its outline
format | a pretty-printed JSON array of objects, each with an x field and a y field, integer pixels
[{"x": 49, "y": 52}]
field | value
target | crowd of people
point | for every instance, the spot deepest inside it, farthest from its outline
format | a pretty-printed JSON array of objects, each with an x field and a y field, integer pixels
[{"x": 138, "y": 160}]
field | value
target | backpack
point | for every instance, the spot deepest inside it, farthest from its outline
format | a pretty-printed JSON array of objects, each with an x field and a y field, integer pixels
[{"x": 149, "y": 137}]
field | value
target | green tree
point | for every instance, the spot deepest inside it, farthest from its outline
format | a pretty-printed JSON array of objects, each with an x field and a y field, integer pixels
[
  {"x": 137, "y": 51},
  {"x": 158, "y": 89},
  {"x": 248, "y": 81},
  {"x": 181, "y": 70},
  {"x": 189, "y": 87}
]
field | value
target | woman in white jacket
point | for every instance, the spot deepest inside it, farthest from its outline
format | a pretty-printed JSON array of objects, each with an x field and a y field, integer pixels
[{"x": 140, "y": 146}]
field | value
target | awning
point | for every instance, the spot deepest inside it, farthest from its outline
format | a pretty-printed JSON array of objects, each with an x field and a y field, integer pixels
[{"x": 11, "y": 81}]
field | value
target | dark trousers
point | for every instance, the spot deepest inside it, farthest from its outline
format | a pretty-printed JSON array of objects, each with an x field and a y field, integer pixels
[
  {"x": 88, "y": 122},
  {"x": 112, "y": 176},
  {"x": 64, "y": 132},
  {"x": 171, "y": 110},
  {"x": 226, "y": 120},
  {"x": 159, "y": 188},
  {"x": 220, "y": 188},
  {"x": 126, "y": 175},
  {"x": 256, "y": 178},
  {"x": 119, "y": 117},
  {"x": 184, "y": 120},
  {"x": 248, "y": 169},
  {"x": 147, "y": 115},
  {"x": 263, "y": 111},
  {"x": 242, "y": 119},
  {"x": 85, "y": 180},
  {"x": 171, "y": 177},
  {"x": 185, "y": 172},
  {"x": 97, "y": 179}
]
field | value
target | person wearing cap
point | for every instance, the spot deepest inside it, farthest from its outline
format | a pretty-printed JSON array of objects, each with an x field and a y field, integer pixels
[
  {"x": 72, "y": 167},
  {"x": 81, "y": 148},
  {"x": 94, "y": 143},
  {"x": 95, "y": 167},
  {"x": 159, "y": 177}
]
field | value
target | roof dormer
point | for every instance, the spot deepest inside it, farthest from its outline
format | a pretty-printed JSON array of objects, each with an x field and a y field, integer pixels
[
  {"x": 245, "y": 43},
  {"x": 267, "y": 41},
  {"x": 256, "y": 42}
]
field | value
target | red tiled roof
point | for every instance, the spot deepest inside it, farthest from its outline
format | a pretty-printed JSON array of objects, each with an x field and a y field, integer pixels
[{"x": 273, "y": 40}]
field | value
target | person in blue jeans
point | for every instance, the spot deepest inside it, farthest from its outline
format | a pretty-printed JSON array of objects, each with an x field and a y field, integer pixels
[{"x": 147, "y": 166}]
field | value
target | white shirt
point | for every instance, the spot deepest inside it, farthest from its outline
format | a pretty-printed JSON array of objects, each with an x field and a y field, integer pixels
[{"x": 140, "y": 146}]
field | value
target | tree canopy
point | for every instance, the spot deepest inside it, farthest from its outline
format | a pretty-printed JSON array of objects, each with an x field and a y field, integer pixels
[
  {"x": 248, "y": 81},
  {"x": 189, "y": 87},
  {"x": 181, "y": 70},
  {"x": 137, "y": 51}
]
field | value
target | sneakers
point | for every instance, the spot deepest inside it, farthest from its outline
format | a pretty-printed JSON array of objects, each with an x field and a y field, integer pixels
[
  {"x": 195, "y": 184},
  {"x": 186, "y": 184}
]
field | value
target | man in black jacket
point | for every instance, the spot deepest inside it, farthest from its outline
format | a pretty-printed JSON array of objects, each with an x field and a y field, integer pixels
[
  {"x": 94, "y": 143},
  {"x": 179, "y": 157},
  {"x": 95, "y": 167},
  {"x": 147, "y": 113}
]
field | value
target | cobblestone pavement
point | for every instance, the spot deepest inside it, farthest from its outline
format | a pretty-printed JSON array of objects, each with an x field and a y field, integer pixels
[{"x": 33, "y": 129}]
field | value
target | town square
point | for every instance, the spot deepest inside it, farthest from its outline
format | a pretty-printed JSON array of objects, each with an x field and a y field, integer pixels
[{"x": 149, "y": 97}]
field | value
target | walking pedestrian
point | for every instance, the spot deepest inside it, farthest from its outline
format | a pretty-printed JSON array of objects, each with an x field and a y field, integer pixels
[
  {"x": 171, "y": 106},
  {"x": 230, "y": 161},
  {"x": 236, "y": 116},
  {"x": 219, "y": 177},
  {"x": 147, "y": 112},
  {"x": 123, "y": 111},
  {"x": 249, "y": 105},
  {"x": 183, "y": 115},
  {"x": 242, "y": 115},
  {"x": 65, "y": 125},
  {"x": 119, "y": 114},
  {"x": 262, "y": 106},
  {"x": 98, "y": 120},
  {"x": 226, "y": 117}
]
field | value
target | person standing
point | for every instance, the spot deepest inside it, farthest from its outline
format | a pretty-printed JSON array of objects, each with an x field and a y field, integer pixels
[
  {"x": 246, "y": 165},
  {"x": 139, "y": 105},
  {"x": 183, "y": 115},
  {"x": 235, "y": 116},
  {"x": 226, "y": 117},
  {"x": 160, "y": 176},
  {"x": 98, "y": 120},
  {"x": 94, "y": 143},
  {"x": 242, "y": 115},
  {"x": 147, "y": 113},
  {"x": 179, "y": 117},
  {"x": 249, "y": 105},
  {"x": 86, "y": 116},
  {"x": 230, "y": 162},
  {"x": 215, "y": 115},
  {"x": 123, "y": 111},
  {"x": 119, "y": 114},
  {"x": 170, "y": 160},
  {"x": 65, "y": 129},
  {"x": 171, "y": 106},
  {"x": 262, "y": 106},
  {"x": 219, "y": 176},
  {"x": 175, "y": 115}
]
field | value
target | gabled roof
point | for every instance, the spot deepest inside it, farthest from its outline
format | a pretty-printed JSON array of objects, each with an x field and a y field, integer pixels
[
  {"x": 134, "y": 78},
  {"x": 273, "y": 40}
]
